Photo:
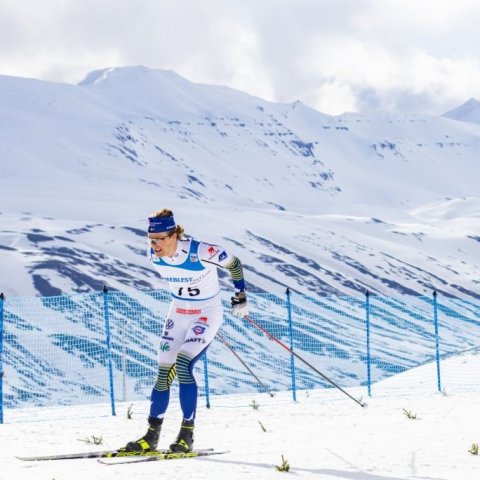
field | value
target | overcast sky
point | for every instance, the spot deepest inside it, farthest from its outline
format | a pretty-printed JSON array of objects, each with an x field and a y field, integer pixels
[{"x": 335, "y": 55}]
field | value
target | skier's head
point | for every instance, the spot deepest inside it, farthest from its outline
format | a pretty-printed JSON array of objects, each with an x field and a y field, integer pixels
[
  {"x": 162, "y": 221},
  {"x": 163, "y": 233}
]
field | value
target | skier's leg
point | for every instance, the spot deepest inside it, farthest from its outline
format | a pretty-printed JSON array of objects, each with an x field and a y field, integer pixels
[
  {"x": 201, "y": 333},
  {"x": 173, "y": 333}
]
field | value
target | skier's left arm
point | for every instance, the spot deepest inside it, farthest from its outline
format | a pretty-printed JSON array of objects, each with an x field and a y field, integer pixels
[{"x": 222, "y": 258}]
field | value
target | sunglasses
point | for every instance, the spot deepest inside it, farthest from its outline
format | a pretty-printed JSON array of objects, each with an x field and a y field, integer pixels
[{"x": 155, "y": 241}]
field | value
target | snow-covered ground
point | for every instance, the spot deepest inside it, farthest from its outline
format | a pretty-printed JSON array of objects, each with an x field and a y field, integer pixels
[{"x": 323, "y": 435}]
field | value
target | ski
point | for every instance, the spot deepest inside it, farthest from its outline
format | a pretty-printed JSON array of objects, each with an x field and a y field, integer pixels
[
  {"x": 167, "y": 455},
  {"x": 98, "y": 454},
  {"x": 67, "y": 456}
]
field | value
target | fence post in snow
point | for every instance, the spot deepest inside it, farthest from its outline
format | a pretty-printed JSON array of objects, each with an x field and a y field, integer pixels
[
  {"x": 437, "y": 349},
  {"x": 292, "y": 358},
  {"x": 205, "y": 372},
  {"x": 109, "y": 349},
  {"x": 367, "y": 318},
  {"x": 2, "y": 299}
]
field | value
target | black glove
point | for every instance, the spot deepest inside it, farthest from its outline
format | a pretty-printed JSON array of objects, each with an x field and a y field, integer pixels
[{"x": 239, "y": 305}]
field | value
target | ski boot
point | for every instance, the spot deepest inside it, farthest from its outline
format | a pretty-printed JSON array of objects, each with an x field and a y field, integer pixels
[
  {"x": 184, "y": 441},
  {"x": 149, "y": 441}
]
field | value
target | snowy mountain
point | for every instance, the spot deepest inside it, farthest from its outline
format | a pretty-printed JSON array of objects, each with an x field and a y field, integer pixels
[
  {"x": 329, "y": 206},
  {"x": 468, "y": 112},
  {"x": 322, "y": 204}
]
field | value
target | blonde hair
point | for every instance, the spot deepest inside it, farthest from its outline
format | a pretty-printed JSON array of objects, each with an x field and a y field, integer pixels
[{"x": 165, "y": 212}]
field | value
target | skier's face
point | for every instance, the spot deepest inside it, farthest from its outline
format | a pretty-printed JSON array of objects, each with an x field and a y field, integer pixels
[{"x": 163, "y": 244}]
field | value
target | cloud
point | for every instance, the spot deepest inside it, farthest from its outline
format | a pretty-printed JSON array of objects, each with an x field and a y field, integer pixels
[{"x": 334, "y": 55}]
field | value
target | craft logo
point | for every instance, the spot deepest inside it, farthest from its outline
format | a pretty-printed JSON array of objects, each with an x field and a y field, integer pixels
[
  {"x": 169, "y": 324},
  {"x": 198, "y": 329},
  {"x": 222, "y": 256},
  {"x": 164, "y": 347},
  {"x": 195, "y": 340}
]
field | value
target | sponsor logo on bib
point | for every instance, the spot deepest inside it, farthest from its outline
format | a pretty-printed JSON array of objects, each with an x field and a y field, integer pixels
[{"x": 198, "y": 329}]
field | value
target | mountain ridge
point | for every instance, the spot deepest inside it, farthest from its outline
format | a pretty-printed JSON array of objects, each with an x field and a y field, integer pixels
[
  {"x": 467, "y": 112},
  {"x": 359, "y": 195}
]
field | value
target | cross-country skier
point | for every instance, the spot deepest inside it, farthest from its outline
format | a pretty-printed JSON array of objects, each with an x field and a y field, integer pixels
[{"x": 194, "y": 317}]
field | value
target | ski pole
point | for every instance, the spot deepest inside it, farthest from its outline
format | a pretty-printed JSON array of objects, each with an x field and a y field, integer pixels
[
  {"x": 272, "y": 337},
  {"x": 222, "y": 338}
]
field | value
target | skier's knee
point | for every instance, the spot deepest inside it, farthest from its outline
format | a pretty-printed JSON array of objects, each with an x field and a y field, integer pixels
[
  {"x": 184, "y": 368},
  {"x": 165, "y": 376}
]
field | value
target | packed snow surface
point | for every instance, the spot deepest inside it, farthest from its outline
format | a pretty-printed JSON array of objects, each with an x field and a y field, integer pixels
[{"x": 323, "y": 435}]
